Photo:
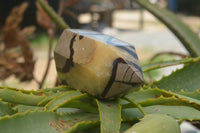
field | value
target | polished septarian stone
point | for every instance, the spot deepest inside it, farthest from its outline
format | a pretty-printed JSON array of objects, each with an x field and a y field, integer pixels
[{"x": 98, "y": 64}]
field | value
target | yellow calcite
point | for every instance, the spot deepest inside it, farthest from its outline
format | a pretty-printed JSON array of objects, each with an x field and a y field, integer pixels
[
  {"x": 95, "y": 63},
  {"x": 92, "y": 77}
]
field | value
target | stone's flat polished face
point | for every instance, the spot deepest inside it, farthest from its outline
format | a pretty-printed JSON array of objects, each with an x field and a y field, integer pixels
[
  {"x": 101, "y": 37},
  {"x": 98, "y": 64}
]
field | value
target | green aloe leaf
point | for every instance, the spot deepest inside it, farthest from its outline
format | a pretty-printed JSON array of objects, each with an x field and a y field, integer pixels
[
  {"x": 80, "y": 104},
  {"x": 58, "y": 89},
  {"x": 149, "y": 93},
  {"x": 131, "y": 114},
  {"x": 189, "y": 39},
  {"x": 177, "y": 112},
  {"x": 5, "y": 109},
  {"x": 125, "y": 126},
  {"x": 47, "y": 122},
  {"x": 186, "y": 79},
  {"x": 36, "y": 122},
  {"x": 167, "y": 101},
  {"x": 40, "y": 97},
  {"x": 63, "y": 99},
  {"x": 161, "y": 64},
  {"x": 63, "y": 111},
  {"x": 49, "y": 92},
  {"x": 158, "y": 96},
  {"x": 135, "y": 104},
  {"x": 110, "y": 115},
  {"x": 191, "y": 100},
  {"x": 51, "y": 96},
  {"x": 170, "y": 101},
  {"x": 18, "y": 97},
  {"x": 195, "y": 94},
  {"x": 39, "y": 93},
  {"x": 24, "y": 108},
  {"x": 80, "y": 121},
  {"x": 155, "y": 123}
]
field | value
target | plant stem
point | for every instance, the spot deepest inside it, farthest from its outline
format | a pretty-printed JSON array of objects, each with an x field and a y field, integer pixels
[
  {"x": 52, "y": 14},
  {"x": 136, "y": 104},
  {"x": 51, "y": 33},
  {"x": 164, "y": 53},
  {"x": 168, "y": 53}
]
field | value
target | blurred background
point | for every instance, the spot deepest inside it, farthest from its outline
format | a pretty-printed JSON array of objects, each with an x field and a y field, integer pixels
[{"x": 28, "y": 36}]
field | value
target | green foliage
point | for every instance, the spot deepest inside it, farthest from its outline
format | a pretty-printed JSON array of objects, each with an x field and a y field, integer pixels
[
  {"x": 110, "y": 116},
  {"x": 17, "y": 96},
  {"x": 189, "y": 39},
  {"x": 186, "y": 79},
  {"x": 5, "y": 109},
  {"x": 48, "y": 122},
  {"x": 153, "y": 108},
  {"x": 72, "y": 111},
  {"x": 155, "y": 123},
  {"x": 37, "y": 122},
  {"x": 161, "y": 64},
  {"x": 62, "y": 99},
  {"x": 178, "y": 112}
]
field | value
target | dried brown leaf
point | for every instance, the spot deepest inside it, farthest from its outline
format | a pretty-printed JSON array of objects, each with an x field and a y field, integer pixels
[
  {"x": 11, "y": 28},
  {"x": 8, "y": 64},
  {"x": 43, "y": 19},
  {"x": 70, "y": 3},
  {"x": 16, "y": 15},
  {"x": 28, "y": 31},
  {"x": 17, "y": 55}
]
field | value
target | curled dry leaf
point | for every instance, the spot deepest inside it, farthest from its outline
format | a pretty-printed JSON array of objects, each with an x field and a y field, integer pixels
[
  {"x": 17, "y": 55},
  {"x": 27, "y": 30},
  {"x": 70, "y": 3},
  {"x": 11, "y": 28},
  {"x": 43, "y": 19}
]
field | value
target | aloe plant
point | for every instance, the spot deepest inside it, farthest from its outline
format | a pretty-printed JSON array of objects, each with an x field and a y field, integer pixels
[{"x": 157, "y": 107}]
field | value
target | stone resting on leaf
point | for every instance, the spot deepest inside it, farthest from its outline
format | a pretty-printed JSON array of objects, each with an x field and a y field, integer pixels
[{"x": 98, "y": 64}]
